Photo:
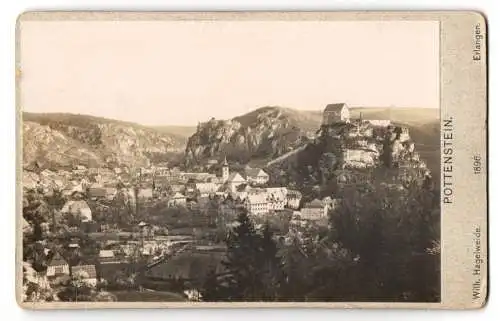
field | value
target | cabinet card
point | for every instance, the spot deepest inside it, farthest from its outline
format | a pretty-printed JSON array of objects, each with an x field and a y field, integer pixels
[{"x": 252, "y": 159}]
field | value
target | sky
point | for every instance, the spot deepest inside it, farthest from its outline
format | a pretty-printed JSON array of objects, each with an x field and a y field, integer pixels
[{"x": 183, "y": 72}]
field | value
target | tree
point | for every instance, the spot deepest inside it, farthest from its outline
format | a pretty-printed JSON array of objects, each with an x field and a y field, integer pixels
[
  {"x": 36, "y": 212},
  {"x": 253, "y": 263},
  {"x": 243, "y": 244},
  {"x": 212, "y": 212},
  {"x": 34, "y": 254},
  {"x": 390, "y": 227},
  {"x": 123, "y": 209},
  {"x": 211, "y": 289},
  {"x": 55, "y": 202},
  {"x": 272, "y": 274},
  {"x": 33, "y": 289},
  {"x": 298, "y": 268},
  {"x": 76, "y": 289},
  {"x": 314, "y": 267}
]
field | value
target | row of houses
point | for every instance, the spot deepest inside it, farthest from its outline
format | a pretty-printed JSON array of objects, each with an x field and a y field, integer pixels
[
  {"x": 58, "y": 268},
  {"x": 264, "y": 200}
]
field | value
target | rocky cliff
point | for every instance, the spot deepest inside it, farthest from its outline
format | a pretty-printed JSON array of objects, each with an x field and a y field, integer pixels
[
  {"x": 262, "y": 134},
  {"x": 62, "y": 140},
  {"x": 349, "y": 154}
]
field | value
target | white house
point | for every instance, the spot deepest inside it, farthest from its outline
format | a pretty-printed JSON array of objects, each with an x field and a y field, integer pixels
[
  {"x": 106, "y": 254},
  {"x": 314, "y": 210},
  {"x": 276, "y": 196},
  {"x": 336, "y": 113},
  {"x": 107, "y": 257},
  {"x": 205, "y": 189},
  {"x": 293, "y": 199},
  {"x": 256, "y": 176},
  {"x": 177, "y": 199},
  {"x": 86, "y": 272},
  {"x": 257, "y": 204},
  {"x": 57, "y": 266},
  {"x": 234, "y": 180},
  {"x": 359, "y": 158}
]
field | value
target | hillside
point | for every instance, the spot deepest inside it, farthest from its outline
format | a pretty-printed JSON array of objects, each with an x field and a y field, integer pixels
[
  {"x": 261, "y": 134},
  {"x": 64, "y": 140},
  {"x": 306, "y": 120},
  {"x": 423, "y": 124},
  {"x": 345, "y": 154},
  {"x": 268, "y": 132}
]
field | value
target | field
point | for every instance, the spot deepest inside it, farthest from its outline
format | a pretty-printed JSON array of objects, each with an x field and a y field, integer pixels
[{"x": 193, "y": 265}]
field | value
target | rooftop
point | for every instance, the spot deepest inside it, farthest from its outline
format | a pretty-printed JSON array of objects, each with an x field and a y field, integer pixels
[
  {"x": 257, "y": 198},
  {"x": 254, "y": 172},
  {"x": 57, "y": 259},
  {"x": 106, "y": 253},
  {"x": 88, "y": 270},
  {"x": 75, "y": 207},
  {"x": 235, "y": 177},
  {"x": 335, "y": 107},
  {"x": 314, "y": 204}
]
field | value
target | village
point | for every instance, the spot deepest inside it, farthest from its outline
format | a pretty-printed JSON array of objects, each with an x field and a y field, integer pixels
[
  {"x": 142, "y": 228},
  {"x": 162, "y": 211}
]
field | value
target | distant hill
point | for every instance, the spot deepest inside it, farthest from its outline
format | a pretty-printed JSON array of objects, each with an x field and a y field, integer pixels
[
  {"x": 63, "y": 140},
  {"x": 181, "y": 131},
  {"x": 271, "y": 131},
  {"x": 306, "y": 120},
  {"x": 397, "y": 114},
  {"x": 264, "y": 133}
]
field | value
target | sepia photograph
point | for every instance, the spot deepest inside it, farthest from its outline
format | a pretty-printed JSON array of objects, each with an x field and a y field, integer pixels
[{"x": 226, "y": 160}]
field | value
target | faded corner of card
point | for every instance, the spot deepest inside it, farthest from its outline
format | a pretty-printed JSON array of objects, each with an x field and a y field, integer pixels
[
  {"x": 22, "y": 303},
  {"x": 27, "y": 15},
  {"x": 479, "y": 16},
  {"x": 480, "y": 296}
]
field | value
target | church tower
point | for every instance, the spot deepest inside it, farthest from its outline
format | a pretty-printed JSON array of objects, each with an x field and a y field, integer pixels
[{"x": 225, "y": 170}]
